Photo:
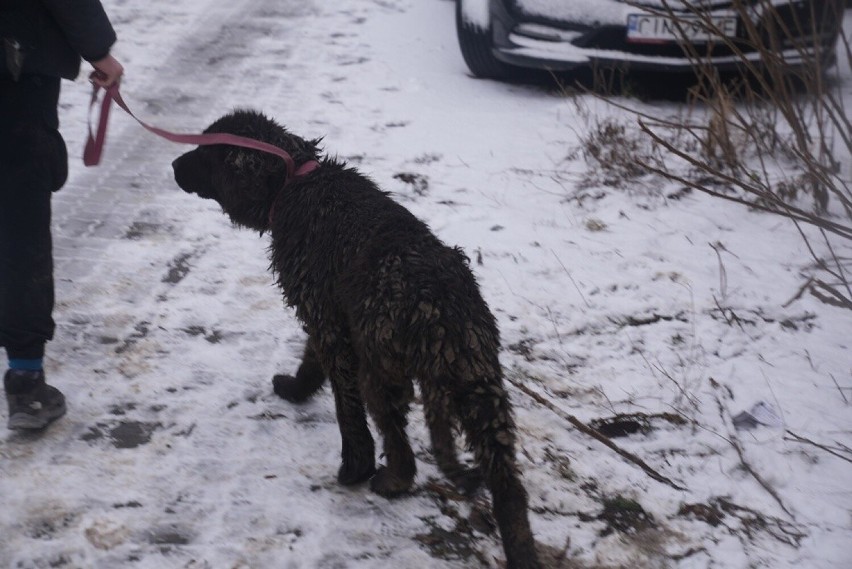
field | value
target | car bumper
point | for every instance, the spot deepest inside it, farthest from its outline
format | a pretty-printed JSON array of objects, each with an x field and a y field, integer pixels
[
  {"x": 560, "y": 46},
  {"x": 564, "y": 56}
]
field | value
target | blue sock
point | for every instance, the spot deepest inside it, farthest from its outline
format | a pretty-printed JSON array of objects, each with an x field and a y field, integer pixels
[{"x": 30, "y": 365}]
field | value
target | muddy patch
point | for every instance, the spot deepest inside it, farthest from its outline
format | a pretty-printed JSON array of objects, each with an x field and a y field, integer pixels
[
  {"x": 140, "y": 332},
  {"x": 448, "y": 544},
  {"x": 624, "y": 425},
  {"x": 178, "y": 269},
  {"x": 419, "y": 183},
  {"x": 125, "y": 434},
  {"x": 623, "y": 515},
  {"x": 212, "y": 336}
]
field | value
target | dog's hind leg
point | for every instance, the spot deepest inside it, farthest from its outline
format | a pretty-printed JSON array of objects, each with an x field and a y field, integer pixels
[
  {"x": 388, "y": 401},
  {"x": 309, "y": 378},
  {"x": 486, "y": 419},
  {"x": 436, "y": 407}
]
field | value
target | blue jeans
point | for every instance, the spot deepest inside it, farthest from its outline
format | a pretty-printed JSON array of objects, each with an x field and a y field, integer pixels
[{"x": 33, "y": 164}]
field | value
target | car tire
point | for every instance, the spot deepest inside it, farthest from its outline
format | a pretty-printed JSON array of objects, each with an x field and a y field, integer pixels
[{"x": 476, "y": 45}]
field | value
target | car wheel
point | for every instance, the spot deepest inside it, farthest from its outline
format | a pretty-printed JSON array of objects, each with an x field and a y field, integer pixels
[{"x": 475, "y": 44}]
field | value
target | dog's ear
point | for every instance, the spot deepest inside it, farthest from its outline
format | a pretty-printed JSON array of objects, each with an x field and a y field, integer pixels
[
  {"x": 247, "y": 163},
  {"x": 255, "y": 172}
]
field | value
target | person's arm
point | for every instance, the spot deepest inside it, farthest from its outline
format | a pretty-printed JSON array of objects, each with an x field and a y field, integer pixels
[{"x": 89, "y": 31}]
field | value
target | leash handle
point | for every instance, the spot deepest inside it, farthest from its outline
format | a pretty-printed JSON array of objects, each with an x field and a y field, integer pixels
[{"x": 95, "y": 142}]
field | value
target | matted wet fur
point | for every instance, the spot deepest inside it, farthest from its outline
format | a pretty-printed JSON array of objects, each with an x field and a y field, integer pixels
[{"x": 384, "y": 302}]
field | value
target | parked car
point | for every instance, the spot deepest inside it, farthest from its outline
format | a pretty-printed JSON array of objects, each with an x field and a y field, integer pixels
[{"x": 497, "y": 36}]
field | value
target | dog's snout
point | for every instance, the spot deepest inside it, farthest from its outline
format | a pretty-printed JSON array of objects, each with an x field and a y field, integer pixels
[
  {"x": 179, "y": 172},
  {"x": 192, "y": 173},
  {"x": 181, "y": 164}
]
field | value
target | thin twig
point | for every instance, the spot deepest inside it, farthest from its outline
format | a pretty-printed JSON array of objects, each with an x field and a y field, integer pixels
[
  {"x": 843, "y": 395},
  {"x": 799, "y": 293},
  {"x": 723, "y": 274},
  {"x": 803, "y": 440},
  {"x": 732, "y": 439},
  {"x": 759, "y": 478},
  {"x": 844, "y": 280},
  {"x": 567, "y": 272},
  {"x": 582, "y": 427},
  {"x": 834, "y": 297}
]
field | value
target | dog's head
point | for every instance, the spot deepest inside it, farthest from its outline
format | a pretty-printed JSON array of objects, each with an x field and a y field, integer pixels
[{"x": 243, "y": 181}]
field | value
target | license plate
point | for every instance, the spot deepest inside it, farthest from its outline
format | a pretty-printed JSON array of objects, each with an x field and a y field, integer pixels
[{"x": 649, "y": 28}]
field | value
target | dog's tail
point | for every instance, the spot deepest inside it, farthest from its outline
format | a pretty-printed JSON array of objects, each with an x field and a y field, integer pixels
[{"x": 486, "y": 417}]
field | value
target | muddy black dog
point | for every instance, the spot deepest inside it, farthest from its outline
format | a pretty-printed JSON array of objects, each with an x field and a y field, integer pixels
[{"x": 384, "y": 301}]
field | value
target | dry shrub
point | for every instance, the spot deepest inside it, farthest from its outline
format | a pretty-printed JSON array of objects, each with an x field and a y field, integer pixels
[
  {"x": 773, "y": 137},
  {"x": 614, "y": 151}
]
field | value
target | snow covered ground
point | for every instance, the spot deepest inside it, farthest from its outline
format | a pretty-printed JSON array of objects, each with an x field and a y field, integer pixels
[{"x": 642, "y": 299}]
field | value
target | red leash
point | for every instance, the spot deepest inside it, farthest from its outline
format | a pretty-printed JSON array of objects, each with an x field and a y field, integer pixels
[{"x": 95, "y": 143}]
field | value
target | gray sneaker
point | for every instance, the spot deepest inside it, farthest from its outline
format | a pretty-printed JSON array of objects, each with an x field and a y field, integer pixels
[{"x": 33, "y": 404}]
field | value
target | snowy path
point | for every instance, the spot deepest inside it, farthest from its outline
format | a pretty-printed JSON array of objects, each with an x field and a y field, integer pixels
[{"x": 176, "y": 454}]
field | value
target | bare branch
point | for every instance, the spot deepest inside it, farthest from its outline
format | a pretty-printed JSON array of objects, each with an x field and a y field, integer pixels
[
  {"x": 582, "y": 427},
  {"x": 800, "y": 439}
]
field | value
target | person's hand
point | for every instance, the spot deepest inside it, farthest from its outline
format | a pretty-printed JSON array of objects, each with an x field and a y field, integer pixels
[{"x": 108, "y": 72}]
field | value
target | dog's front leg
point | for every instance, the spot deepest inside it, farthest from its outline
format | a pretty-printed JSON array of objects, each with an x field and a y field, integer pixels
[
  {"x": 358, "y": 454},
  {"x": 341, "y": 363}
]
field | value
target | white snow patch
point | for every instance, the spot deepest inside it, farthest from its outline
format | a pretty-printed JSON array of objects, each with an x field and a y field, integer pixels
[
  {"x": 476, "y": 13},
  {"x": 580, "y": 11}
]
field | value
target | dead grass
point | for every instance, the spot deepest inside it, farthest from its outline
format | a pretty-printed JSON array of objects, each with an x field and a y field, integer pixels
[{"x": 773, "y": 138}]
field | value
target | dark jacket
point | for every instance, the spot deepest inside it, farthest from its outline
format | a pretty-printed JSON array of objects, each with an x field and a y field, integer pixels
[{"x": 53, "y": 35}]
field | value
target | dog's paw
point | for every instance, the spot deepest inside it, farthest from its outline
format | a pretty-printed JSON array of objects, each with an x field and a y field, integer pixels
[
  {"x": 291, "y": 389},
  {"x": 390, "y": 485},
  {"x": 466, "y": 480},
  {"x": 352, "y": 472}
]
